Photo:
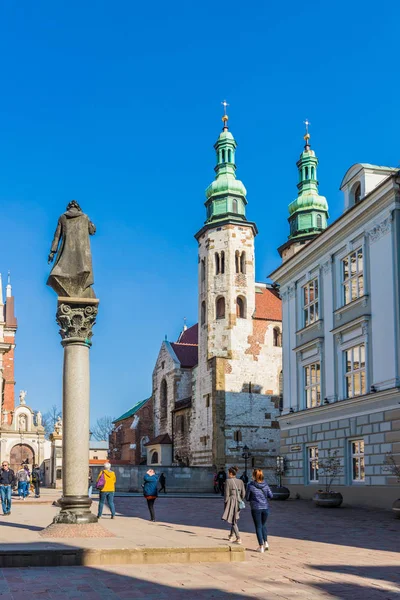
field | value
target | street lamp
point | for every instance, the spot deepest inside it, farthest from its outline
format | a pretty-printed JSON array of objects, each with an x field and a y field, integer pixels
[
  {"x": 280, "y": 468},
  {"x": 246, "y": 455}
]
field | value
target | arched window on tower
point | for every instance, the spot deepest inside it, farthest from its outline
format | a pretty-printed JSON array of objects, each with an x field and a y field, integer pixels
[
  {"x": 312, "y": 173},
  {"x": 217, "y": 264},
  {"x": 277, "y": 337},
  {"x": 237, "y": 262},
  {"x": 243, "y": 262},
  {"x": 240, "y": 307},
  {"x": 229, "y": 156},
  {"x": 203, "y": 270},
  {"x": 319, "y": 221},
  {"x": 220, "y": 308},
  {"x": 234, "y": 205},
  {"x": 306, "y": 173},
  {"x": 223, "y": 155},
  {"x": 222, "y": 262},
  {"x": 203, "y": 313},
  {"x": 163, "y": 399}
]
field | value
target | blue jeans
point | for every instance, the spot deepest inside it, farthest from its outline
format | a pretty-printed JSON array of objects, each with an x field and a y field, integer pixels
[
  {"x": 260, "y": 522},
  {"x": 109, "y": 498},
  {"x": 5, "y": 493},
  {"x": 23, "y": 488}
]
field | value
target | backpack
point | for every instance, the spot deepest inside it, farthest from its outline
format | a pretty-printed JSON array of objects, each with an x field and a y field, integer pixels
[{"x": 23, "y": 475}]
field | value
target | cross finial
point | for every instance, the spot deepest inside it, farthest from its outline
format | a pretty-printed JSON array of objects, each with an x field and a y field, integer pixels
[
  {"x": 225, "y": 117},
  {"x": 307, "y": 135}
]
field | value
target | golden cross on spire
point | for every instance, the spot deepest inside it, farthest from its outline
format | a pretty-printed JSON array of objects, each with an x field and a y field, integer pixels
[
  {"x": 225, "y": 117},
  {"x": 307, "y": 135}
]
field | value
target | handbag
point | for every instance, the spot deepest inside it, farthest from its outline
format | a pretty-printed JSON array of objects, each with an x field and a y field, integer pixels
[
  {"x": 241, "y": 503},
  {"x": 101, "y": 482}
]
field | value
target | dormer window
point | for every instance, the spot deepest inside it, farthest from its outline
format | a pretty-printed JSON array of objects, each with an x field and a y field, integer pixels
[{"x": 357, "y": 193}]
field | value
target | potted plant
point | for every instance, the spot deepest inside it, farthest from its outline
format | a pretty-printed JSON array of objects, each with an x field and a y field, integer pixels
[
  {"x": 394, "y": 469},
  {"x": 331, "y": 468},
  {"x": 279, "y": 491}
]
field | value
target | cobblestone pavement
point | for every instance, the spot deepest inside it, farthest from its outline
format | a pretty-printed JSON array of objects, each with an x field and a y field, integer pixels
[{"x": 315, "y": 554}]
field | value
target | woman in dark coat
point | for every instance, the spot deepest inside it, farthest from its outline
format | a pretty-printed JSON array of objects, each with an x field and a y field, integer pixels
[
  {"x": 234, "y": 493},
  {"x": 150, "y": 491}
]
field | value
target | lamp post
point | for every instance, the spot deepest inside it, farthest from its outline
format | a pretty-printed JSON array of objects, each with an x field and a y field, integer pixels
[
  {"x": 280, "y": 468},
  {"x": 246, "y": 455}
]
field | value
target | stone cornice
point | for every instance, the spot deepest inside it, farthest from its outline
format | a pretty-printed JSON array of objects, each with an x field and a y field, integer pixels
[{"x": 374, "y": 402}]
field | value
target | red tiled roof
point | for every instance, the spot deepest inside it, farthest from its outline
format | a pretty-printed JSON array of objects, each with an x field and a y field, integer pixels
[
  {"x": 190, "y": 336},
  {"x": 187, "y": 354},
  {"x": 268, "y": 305}
]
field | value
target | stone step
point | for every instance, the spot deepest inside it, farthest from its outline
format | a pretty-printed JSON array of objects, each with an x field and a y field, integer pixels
[{"x": 69, "y": 557}]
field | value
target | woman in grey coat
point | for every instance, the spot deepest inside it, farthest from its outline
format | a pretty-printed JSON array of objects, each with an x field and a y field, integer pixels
[{"x": 234, "y": 493}]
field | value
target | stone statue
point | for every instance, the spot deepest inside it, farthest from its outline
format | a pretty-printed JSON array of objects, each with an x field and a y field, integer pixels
[
  {"x": 58, "y": 426},
  {"x": 22, "y": 396},
  {"x": 38, "y": 418},
  {"x": 22, "y": 422},
  {"x": 72, "y": 274}
]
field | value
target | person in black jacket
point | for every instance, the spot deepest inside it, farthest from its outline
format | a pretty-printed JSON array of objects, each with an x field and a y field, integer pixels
[
  {"x": 162, "y": 481},
  {"x": 221, "y": 478},
  {"x": 7, "y": 480},
  {"x": 36, "y": 480}
]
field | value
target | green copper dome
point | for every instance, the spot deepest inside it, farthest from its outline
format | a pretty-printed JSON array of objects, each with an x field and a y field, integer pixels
[
  {"x": 226, "y": 195},
  {"x": 309, "y": 212}
]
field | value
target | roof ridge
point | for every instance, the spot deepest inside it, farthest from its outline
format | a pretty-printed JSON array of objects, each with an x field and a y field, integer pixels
[{"x": 183, "y": 344}]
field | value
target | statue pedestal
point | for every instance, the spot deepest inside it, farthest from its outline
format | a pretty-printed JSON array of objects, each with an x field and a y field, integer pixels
[{"x": 76, "y": 317}]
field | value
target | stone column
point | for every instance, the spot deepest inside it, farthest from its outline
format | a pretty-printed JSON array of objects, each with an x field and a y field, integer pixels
[{"x": 76, "y": 317}]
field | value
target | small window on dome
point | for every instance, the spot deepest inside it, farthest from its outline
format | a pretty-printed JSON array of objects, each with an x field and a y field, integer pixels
[
  {"x": 223, "y": 155},
  {"x": 235, "y": 205},
  {"x": 357, "y": 194},
  {"x": 229, "y": 156},
  {"x": 306, "y": 172},
  {"x": 319, "y": 221},
  {"x": 312, "y": 173}
]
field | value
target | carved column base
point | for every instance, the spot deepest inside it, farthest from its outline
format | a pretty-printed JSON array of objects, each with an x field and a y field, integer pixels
[{"x": 75, "y": 510}]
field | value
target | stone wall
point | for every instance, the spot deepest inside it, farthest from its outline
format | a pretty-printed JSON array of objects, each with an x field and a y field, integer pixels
[
  {"x": 179, "y": 479},
  {"x": 381, "y": 434}
]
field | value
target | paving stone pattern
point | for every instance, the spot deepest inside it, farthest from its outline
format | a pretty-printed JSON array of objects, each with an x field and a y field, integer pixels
[{"x": 315, "y": 554}]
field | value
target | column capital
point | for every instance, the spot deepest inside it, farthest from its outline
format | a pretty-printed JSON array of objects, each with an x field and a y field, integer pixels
[{"x": 76, "y": 317}]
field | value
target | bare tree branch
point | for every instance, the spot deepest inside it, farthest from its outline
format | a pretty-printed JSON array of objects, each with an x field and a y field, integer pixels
[{"x": 103, "y": 428}]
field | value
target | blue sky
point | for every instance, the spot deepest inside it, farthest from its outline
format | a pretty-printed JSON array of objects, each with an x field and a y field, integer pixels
[{"x": 118, "y": 105}]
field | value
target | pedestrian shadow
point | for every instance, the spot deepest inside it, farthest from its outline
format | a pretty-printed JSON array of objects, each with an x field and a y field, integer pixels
[
  {"x": 389, "y": 573},
  {"x": 20, "y": 526}
]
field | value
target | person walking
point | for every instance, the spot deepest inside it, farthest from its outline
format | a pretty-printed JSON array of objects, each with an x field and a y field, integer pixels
[
  {"x": 106, "y": 484},
  {"x": 221, "y": 478},
  {"x": 23, "y": 478},
  {"x": 36, "y": 480},
  {"x": 90, "y": 483},
  {"x": 162, "y": 480},
  {"x": 234, "y": 496},
  {"x": 257, "y": 493},
  {"x": 7, "y": 480},
  {"x": 150, "y": 491}
]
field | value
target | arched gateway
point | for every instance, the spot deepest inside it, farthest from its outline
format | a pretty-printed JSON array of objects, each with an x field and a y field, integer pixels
[{"x": 21, "y": 453}]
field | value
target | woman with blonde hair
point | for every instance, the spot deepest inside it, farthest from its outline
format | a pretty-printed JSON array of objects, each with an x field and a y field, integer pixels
[
  {"x": 258, "y": 492},
  {"x": 234, "y": 496}
]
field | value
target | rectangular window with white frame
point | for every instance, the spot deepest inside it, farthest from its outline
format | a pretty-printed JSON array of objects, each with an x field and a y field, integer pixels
[
  {"x": 355, "y": 376},
  {"x": 357, "y": 460},
  {"x": 312, "y": 459},
  {"x": 310, "y": 302},
  {"x": 353, "y": 276},
  {"x": 312, "y": 385}
]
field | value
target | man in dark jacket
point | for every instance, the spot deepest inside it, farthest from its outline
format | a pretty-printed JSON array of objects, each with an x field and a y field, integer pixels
[
  {"x": 36, "y": 480},
  {"x": 7, "y": 480},
  {"x": 221, "y": 478}
]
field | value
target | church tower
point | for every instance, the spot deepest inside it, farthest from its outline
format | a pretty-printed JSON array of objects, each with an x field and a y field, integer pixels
[
  {"x": 8, "y": 328},
  {"x": 226, "y": 255},
  {"x": 308, "y": 214}
]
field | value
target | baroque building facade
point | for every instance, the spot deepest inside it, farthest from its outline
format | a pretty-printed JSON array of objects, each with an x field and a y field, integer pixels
[
  {"x": 22, "y": 435},
  {"x": 217, "y": 389},
  {"x": 341, "y": 339}
]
